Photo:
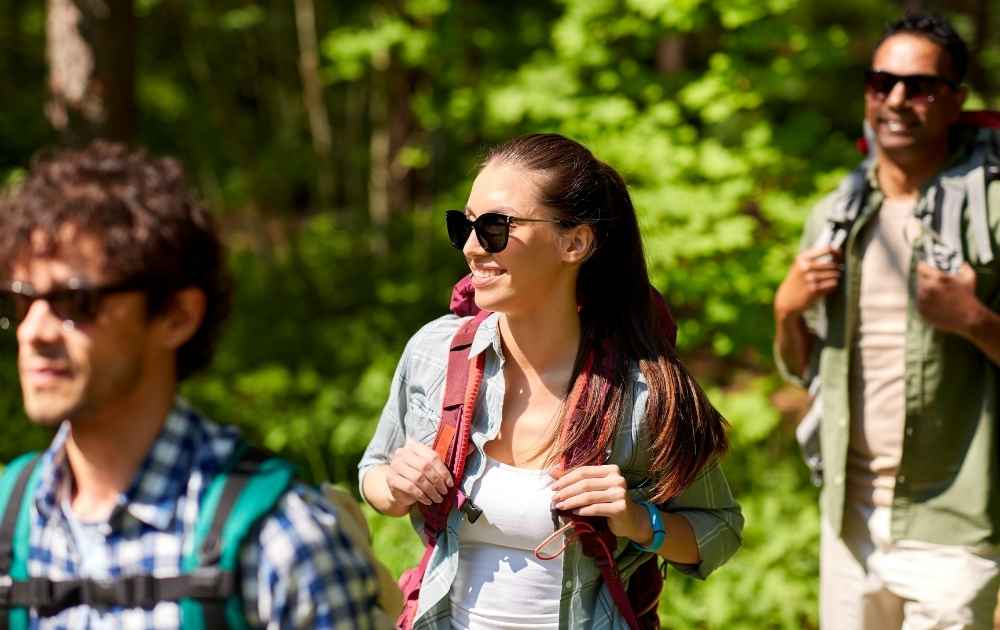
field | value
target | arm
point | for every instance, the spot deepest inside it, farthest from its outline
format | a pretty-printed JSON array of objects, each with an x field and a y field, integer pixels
[
  {"x": 395, "y": 471},
  {"x": 703, "y": 524},
  {"x": 301, "y": 571},
  {"x": 814, "y": 274}
]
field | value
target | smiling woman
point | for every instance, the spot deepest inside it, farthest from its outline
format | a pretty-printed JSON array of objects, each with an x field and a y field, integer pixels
[{"x": 584, "y": 412}]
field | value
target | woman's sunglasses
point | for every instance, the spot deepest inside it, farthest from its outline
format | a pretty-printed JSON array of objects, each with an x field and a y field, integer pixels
[
  {"x": 76, "y": 303},
  {"x": 492, "y": 229},
  {"x": 918, "y": 86}
]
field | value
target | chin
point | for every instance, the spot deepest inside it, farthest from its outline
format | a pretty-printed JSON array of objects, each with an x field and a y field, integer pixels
[{"x": 48, "y": 413}]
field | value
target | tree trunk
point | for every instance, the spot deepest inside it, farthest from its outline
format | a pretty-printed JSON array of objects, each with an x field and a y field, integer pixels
[
  {"x": 91, "y": 56},
  {"x": 312, "y": 96}
]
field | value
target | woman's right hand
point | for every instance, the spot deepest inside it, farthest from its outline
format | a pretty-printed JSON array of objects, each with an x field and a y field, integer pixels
[{"x": 416, "y": 473}]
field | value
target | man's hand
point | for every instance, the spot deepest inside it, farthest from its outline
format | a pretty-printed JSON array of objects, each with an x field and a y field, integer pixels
[
  {"x": 814, "y": 274},
  {"x": 948, "y": 302},
  {"x": 416, "y": 473}
]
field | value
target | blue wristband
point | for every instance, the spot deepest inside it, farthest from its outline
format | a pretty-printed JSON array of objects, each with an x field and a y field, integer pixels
[{"x": 659, "y": 532}]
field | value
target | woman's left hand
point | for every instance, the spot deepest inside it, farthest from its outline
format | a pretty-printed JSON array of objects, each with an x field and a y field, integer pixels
[{"x": 601, "y": 491}]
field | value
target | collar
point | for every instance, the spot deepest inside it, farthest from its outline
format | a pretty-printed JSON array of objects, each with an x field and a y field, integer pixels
[
  {"x": 161, "y": 478},
  {"x": 487, "y": 336}
]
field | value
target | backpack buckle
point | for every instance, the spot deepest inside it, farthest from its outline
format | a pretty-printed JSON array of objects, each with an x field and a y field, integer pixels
[
  {"x": 211, "y": 583},
  {"x": 6, "y": 586}
]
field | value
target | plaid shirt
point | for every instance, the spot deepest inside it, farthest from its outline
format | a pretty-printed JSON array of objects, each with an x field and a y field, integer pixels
[
  {"x": 413, "y": 411},
  {"x": 299, "y": 570}
]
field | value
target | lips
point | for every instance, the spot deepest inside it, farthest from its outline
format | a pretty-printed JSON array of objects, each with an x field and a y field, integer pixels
[{"x": 45, "y": 375}]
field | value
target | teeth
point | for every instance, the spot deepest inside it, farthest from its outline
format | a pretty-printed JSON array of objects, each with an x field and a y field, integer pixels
[
  {"x": 486, "y": 273},
  {"x": 895, "y": 126}
]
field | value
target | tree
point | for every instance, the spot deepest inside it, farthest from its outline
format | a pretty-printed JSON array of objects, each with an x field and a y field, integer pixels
[{"x": 91, "y": 55}]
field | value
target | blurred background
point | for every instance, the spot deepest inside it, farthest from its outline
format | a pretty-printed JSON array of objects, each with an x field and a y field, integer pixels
[{"x": 329, "y": 137}]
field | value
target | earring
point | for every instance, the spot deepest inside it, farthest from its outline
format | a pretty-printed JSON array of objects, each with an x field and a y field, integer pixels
[{"x": 930, "y": 98}]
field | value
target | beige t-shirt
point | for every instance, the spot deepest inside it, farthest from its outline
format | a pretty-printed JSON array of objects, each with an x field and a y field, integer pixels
[{"x": 877, "y": 359}]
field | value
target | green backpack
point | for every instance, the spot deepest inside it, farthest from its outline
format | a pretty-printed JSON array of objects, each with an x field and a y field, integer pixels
[{"x": 207, "y": 590}]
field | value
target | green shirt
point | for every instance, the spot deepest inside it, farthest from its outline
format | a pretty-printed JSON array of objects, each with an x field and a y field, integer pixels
[{"x": 947, "y": 488}]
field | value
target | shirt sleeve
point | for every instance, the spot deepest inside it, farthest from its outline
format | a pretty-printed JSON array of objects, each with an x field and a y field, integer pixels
[
  {"x": 716, "y": 518},
  {"x": 413, "y": 406},
  {"x": 304, "y": 572}
]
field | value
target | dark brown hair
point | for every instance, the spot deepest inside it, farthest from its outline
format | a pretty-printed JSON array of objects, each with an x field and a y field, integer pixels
[
  {"x": 619, "y": 321},
  {"x": 151, "y": 229}
]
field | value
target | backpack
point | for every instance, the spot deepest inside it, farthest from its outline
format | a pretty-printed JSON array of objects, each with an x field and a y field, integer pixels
[
  {"x": 638, "y": 602},
  {"x": 208, "y": 588},
  {"x": 941, "y": 245}
]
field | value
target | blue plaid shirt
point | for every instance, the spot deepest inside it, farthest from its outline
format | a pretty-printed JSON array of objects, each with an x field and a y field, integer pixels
[{"x": 298, "y": 568}]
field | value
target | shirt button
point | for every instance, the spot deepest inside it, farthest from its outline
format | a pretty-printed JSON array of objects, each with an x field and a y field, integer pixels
[
  {"x": 568, "y": 583},
  {"x": 909, "y": 431},
  {"x": 842, "y": 423},
  {"x": 839, "y": 479},
  {"x": 902, "y": 479}
]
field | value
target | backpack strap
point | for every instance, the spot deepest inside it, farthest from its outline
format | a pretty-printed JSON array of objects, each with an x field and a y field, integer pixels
[
  {"x": 458, "y": 406},
  {"x": 234, "y": 502},
  {"x": 208, "y": 588},
  {"x": 848, "y": 201},
  {"x": 17, "y": 486}
]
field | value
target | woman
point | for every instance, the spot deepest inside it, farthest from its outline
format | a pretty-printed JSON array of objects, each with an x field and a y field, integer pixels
[{"x": 553, "y": 246}]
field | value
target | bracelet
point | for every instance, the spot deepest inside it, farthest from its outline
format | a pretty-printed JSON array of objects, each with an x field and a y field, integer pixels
[{"x": 656, "y": 522}]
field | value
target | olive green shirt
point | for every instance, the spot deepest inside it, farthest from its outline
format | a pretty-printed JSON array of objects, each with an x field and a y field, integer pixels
[{"x": 946, "y": 489}]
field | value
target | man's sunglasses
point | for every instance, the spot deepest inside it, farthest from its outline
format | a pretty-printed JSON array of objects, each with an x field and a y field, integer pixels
[
  {"x": 917, "y": 86},
  {"x": 77, "y": 302},
  {"x": 492, "y": 229}
]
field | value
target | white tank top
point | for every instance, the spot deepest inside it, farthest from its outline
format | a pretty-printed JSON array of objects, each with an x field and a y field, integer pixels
[{"x": 500, "y": 583}]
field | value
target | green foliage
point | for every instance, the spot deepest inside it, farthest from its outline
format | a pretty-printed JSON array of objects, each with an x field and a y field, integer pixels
[{"x": 728, "y": 118}]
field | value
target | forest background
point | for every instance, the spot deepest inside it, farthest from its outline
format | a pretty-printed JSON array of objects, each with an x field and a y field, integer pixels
[{"x": 330, "y": 136}]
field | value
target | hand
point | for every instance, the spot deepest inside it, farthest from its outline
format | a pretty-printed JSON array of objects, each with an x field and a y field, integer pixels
[
  {"x": 416, "y": 473},
  {"x": 947, "y": 302},
  {"x": 601, "y": 491},
  {"x": 814, "y": 274}
]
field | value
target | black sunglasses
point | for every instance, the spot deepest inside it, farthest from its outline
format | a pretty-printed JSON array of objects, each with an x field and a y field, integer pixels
[
  {"x": 77, "y": 302},
  {"x": 917, "y": 86},
  {"x": 492, "y": 229}
]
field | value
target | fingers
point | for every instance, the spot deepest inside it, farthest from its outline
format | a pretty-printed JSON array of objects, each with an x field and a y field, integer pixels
[
  {"x": 588, "y": 486},
  {"x": 416, "y": 473},
  {"x": 611, "y": 501}
]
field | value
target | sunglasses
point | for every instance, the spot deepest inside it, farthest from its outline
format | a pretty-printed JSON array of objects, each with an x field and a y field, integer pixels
[
  {"x": 76, "y": 303},
  {"x": 917, "y": 86},
  {"x": 492, "y": 229}
]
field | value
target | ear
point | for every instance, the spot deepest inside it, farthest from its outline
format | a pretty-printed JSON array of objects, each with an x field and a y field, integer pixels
[
  {"x": 181, "y": 318},
  {"x": 576, "y": 244}
]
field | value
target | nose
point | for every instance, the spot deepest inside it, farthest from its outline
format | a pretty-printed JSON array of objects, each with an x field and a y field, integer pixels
[
  {"x": 472, "y": 247},
  {"x": 897, "y": 95},
  {"x": 40, "y": 325}
]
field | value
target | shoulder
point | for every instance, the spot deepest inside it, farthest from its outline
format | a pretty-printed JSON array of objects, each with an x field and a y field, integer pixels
[
  {"x": 306, "y": 566},
  {"x": 431, "y": 342}
]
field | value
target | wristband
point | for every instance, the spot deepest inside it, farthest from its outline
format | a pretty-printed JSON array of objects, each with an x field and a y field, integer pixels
[{"x": 656, "y": 522}]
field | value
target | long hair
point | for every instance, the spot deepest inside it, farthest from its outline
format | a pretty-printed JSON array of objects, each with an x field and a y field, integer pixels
[{"x": 621, "y": 328}]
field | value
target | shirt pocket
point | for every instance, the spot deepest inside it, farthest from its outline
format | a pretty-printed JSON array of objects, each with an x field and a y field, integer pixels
[{"x": 420, "y": 422}]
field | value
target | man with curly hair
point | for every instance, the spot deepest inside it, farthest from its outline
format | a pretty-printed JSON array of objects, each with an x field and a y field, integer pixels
[
  {"x": 114, "y": 279},
  {"x": 903, "y": 265}
]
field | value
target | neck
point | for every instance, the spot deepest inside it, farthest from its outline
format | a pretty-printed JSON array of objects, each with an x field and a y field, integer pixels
[
  {"x": 901, "y": 176},
  {"x": 544, "y": 342},
  {"x": 105, "y": 449}
]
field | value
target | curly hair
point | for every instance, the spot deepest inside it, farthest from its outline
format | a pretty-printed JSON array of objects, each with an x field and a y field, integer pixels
[
  {"x": 150, "y": 226},
  {"x": 938, "y": 30}
]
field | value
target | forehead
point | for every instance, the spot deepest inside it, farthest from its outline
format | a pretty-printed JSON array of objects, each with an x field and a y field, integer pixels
[
  {"x": 47, "y": 259},
  {"x": 907, "y": 53},
  {"x": 506, "y": 185}
]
